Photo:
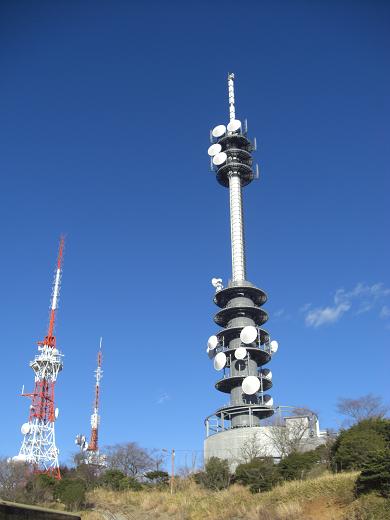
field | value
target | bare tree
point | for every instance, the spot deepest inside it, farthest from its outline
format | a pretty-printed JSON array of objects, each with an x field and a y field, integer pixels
[
  {"x": 286, "y": 436},
  {"x": 158, "y": 457},
  {"x": 130, "y": 458},
  {"x": 13, "y": 478},
  {"x": 365, "y": 407},
  {"x": 251, "y": 449}
]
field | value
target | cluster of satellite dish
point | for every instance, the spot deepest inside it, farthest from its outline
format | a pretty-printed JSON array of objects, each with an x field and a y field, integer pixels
[
  {"x": 215, "y": 150},
  {"x": 248, "y": 336},
  {"x": 81, "y": 441},
  {"x": 26, "y": 427},
  {"x": 217, "y": 284}
]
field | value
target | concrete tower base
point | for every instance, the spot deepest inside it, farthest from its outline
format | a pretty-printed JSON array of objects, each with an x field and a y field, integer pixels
[
  {"x": 238, "y": 445},
  {"x": 234, "y": 445}
]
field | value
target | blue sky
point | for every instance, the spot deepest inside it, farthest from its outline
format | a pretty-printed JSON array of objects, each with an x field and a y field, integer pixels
[{"x": 105, "y": 115}]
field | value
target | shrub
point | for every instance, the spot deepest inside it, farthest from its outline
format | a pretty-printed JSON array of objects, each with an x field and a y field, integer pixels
[
  {"x": 355, "y": 447},
  {"x": 375, "y": 475},
  {"x": 71, "y": 492},
  {"x": 130, "y": 483},
  {"x": 297, "y": 465},
  {"x": 216, "y": 475},
  {"x": 158, "y": 478},
  {"x": 259, "y": 475},
  {"x": 117, "y": 481},
  {"x": 41, "y": 488}
]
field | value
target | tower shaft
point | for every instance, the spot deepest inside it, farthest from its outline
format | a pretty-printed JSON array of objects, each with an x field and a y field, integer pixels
[{"x": 237, "y": 229}]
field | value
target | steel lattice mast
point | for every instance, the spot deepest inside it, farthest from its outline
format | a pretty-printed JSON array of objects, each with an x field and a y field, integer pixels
[
  {"x": 38, "y": 446},
  {"x": 242, "y": 347},
  {"x": 95, "y": 418},
  {"x": 91, "y": 448}
]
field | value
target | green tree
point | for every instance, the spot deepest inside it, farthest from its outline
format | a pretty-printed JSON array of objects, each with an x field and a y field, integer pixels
[
  {"x": 355, "y": 447},
  {"x": 158, "y": 477},
  {"x": 297, "y": 465},
  {"x": 117, "y": 481},
  {"x": 259, "y": 474},
  {"x": 375, "y": 475},
  {"x": 71, "y": 492},
  {"x": 41, "y": 488},
  {"x": 216, "y": 474}
]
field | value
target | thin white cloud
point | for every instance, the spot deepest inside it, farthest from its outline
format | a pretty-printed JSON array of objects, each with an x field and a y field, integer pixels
[
  {"x": 320, "y": 316},
  {"x": 305, "y": 307},
  {"x": 362, "y": 296},
  {"x": 164, "y": 397},
  {"x": 385, "y": 312},
  {"x": 279, "y": 313}
]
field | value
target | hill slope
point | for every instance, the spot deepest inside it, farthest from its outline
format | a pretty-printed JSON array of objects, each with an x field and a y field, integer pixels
[{"x": 329, "y": 497}]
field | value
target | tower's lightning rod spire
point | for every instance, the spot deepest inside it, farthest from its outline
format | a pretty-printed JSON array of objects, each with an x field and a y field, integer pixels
[
  {"x": 232, "y": 110},
  {"x": 236, "y": 214}
]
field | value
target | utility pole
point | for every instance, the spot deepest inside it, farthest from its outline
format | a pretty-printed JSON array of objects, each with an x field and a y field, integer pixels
[{"x": 172, "y": 470}]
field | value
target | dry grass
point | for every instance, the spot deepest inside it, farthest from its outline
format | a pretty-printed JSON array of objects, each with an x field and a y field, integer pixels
[{"x": 289, "y": 501}]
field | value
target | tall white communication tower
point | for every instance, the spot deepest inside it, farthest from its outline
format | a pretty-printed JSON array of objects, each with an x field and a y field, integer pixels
[{"x": 242, "y": 347}]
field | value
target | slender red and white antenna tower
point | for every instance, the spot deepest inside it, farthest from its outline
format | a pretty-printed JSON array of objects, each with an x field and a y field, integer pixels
[
  {"x": 95, "y": 417},
  {"x": 39, "y": 447},
  {"x": 92, "y": 447}
]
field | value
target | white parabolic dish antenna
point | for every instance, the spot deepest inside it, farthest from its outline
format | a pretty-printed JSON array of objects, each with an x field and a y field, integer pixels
[
  {"x": 274, "y": 346},
  {"x": 219, "y": 159},
  {"x": 248, "y": 334},
  {"x": 220, "y": 361},
  {"x": 240, "y": 353},
  {"x": 266, "y": 373},
  {"x": 25, "y": 428},
  {"x": 219, "y": 131},
  {"x": 234, "y": 125},
  {"x": 268, "y": 400},
  {"x": 250, "y": 385},
  {"x": 212, "y": 342},
  {"x": 56, "y": 412},
  {"x": 214, "y": 149}
]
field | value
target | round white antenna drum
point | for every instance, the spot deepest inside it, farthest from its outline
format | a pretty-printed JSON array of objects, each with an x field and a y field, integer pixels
[
  {"x": 25, "y": 428},
  {"x": 267, "y": 374},
  {"x": 214, "y": 149},
  {"x": 268, "y": 400},
  {"x": 234, "y": 125},
  {"x": 56, "y": 412},
  {"x": 250, "y": 385},
  {"x": 274, "y": 346},
  {"x": 219, "y": 159},
  {"x": 220, "y": 361},
  {"x": 219, "y": 131},
  {"x": 212, "y": 342},
  {"x": 248, "y": 334},
  {"x": 240, "y": 353}
]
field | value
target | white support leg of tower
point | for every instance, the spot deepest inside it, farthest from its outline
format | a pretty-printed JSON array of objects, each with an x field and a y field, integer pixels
[{"x": 237, "y": 229}]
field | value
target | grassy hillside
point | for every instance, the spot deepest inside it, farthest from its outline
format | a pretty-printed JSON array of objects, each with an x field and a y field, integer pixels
[{"x": 328, "y": 497}]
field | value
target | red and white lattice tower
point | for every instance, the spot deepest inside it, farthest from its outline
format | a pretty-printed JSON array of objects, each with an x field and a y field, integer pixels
[
  {"x": 39, "y": 447},
  {"x": 95, "y": 418},
  {"x": 91, "y": 449}
]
